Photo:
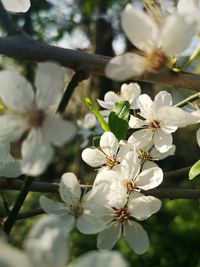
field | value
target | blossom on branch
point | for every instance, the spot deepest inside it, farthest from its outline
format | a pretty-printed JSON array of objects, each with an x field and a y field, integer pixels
[
  {"x": 26, "y": 111},
  {"x": 156, "y": 40}
]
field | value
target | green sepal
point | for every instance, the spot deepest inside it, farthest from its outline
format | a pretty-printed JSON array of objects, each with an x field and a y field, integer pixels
[{"x": 195, "y": 170}]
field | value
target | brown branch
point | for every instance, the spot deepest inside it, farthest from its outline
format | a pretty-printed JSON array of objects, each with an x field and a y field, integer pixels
[
  {"x": 42, "y": 187},
  {"x": 23, "y": 47}
]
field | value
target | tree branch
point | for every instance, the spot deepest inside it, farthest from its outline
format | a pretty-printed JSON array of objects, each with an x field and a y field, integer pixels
[
  {"x": 42, "y": 187},
  {"x": 23, "y": 47}
]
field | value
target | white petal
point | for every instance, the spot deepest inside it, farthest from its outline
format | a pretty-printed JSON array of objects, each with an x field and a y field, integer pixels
[
  {"x": 109, "y": 237},
  {"x": 93, "y": 157},
  {"x": 139, "y": 28},
  {"x": 89, "y": 224},
  {"x": 130, "y": 166},
  {"x": 99, "y": 259},
  {"x": 15, "y": 91},
  {"x": 56, "y": 130},
  {"x": 135, "y": 123},
  {"x": 186, "y": 6},
  {"x": 176, "y": 33},
  {"x": 106, "y": 176},
  {"x": 10, "y": 256},
  {"x": 12, "y": 127},
  {"x": 36, "y": 153},
  {"x": 163, "y": 98},
  {"x": 148, "y": 165},
  {"x": 130, "y": 92},
  {"x": 11, "y": 170},
  {"x": 125, "y": 66},
  {"x": 149, "y": 179},
  {"x": 16, "y": 5},
  {"x": 123, "y": 150},
  {"x": 58, "y": 209},
  {"x": 69, "y": 188},
  {"x": 46, "y": 243},
  {"x": 155, "y": 154},
  {"x": 162, "y": 141},
  {"x": 137, "y": 238},
  {"x": 141, "y": 138},
  {"x": 109, "y": 144},
  {"x": 110, "y": 99},
  {"x": 142, "y": 207},
  {"x": 49, "y": 83},
  {"x": 198, "y": 137},
  {"x": 174, "y": 116},
  {"x": 146, "y": 106}
]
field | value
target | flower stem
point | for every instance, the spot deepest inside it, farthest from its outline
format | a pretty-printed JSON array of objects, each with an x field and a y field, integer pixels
[
  {"x": 188, "y": 61},
  {"x": 75, "y": 80},
  {"x": 189, "y": 99},
  {"x": 18, "y": 204}
]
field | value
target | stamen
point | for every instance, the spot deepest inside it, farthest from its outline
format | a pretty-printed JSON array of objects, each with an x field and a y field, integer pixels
[
  {"x": 129, "y": 184},
  {"x": 155, "y": 60},
  {"x": 111, "y": 161},
  {"x": 154, "y": 125},
  {"x": 36, "y": 118},
  {"x": 122, "y": 215}
]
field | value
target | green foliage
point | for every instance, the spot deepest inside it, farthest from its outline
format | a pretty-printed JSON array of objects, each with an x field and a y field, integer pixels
[
  {"x": 118, "y": 119},
  {"x": 195, "y": 170}
]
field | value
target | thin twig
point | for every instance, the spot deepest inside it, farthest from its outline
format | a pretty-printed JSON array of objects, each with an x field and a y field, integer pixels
[
  {"x": 18, "y": 204},
  {"x": 189, "y": 99},
  {"x": 24, "y": 47},
  {"x": 75, "y": 80},
  {"x": 29, "y": 214}
]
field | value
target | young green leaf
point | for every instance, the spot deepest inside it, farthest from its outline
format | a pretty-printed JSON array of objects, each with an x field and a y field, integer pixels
[{"x": 195, "y": 170}]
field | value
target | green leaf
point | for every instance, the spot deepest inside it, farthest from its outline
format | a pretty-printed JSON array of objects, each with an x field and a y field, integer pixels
[
  {"x": 195, "y": 170},
  {"x": 118, "y": 119},
  {"x": 96, "y": 140},
  {"x": 98, "y": 115}
]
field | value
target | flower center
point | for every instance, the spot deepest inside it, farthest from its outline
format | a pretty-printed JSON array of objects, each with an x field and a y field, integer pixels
[
  {"x": 121, "y": 215},
  {"x": 36, "y": 118},
  {"x": 154, "y": 125},
  {"x": 76, "y": 210},
  {"x": 155, "y": 60},
  {"x": 143, "y": 155},
  {"x": 111, "y": 161},
  {"x": 129, "y": 184}
]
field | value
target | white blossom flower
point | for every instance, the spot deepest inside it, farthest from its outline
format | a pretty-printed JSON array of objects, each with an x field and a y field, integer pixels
[
  {"x": 16, "y": 5},
  {"x": 9, "y": 167},
  {"x": 109, "y": 155},
  {"x": 45, "y": 246},
  {"x": 130, "y": 179},
  {"x": 26, "y": 111},
  {"x": 161, "y": 119},
  {"x": 128, "y": 92},
  {"x": 99, "y": 259},
  {"x": 157, "y": 41},
  {"x": 85, "y": 211},
  {"x": 119, "y": 220}
]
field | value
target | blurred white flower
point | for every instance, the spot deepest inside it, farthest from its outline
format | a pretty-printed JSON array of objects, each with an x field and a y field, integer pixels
[
  {"x": 32, "y": 112},
  {"x": 84, "y": 211},
  {"x": 119, "y": 221},
  {"x": 128, "y": 92},
  {"x": 108, "y": 156},
  {"x": 157, "y": 41},
  {"x": 161, "y": 119},
  {"x": 9, "y": 167},
  {"x": 16, "y": 5}
]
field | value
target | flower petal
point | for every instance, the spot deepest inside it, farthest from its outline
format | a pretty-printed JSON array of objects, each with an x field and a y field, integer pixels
[
  {"x": 109, "y": 237},
  {"x": 130, "y": 93},
  {"x": 56, "y": 130},
  {"x": 110, "y": 99},
  {"x": 136, "y": 123},
  {"x": 58, "y": 209},
  {"x": 140, "y": 28},
  {"x": 16, "y": 92},
  {"x": 155, "y": 154},
  {"x": 93, "y": 157},
  {"x": 145, "y": 105},
  {"x": 89, "y": 224},
  {"x": 125, "y": 66},
  {"x": 136, "y": 237},
  {"x": 11, "y": 170},
  {"x": 17, "y": 5},
  {"x": 109, "y": 144},
  {"x": 36, "y": 153},
  {"x": 49, "y": 83},
  {"x": 198, "y": 136},
  {"x": 163, "y": 98},
  {"x": 69, "y": 188},
  {"x": 130, "y": 166},
  {"x": 141, "y": 138},
  {"x": 162, "y": 141},
  {"x": 176, "y": 33},
  {"x": 150, "y": 178},
  {"x": 142, "y": 207},
  {"x": 12, "y": 127}
]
